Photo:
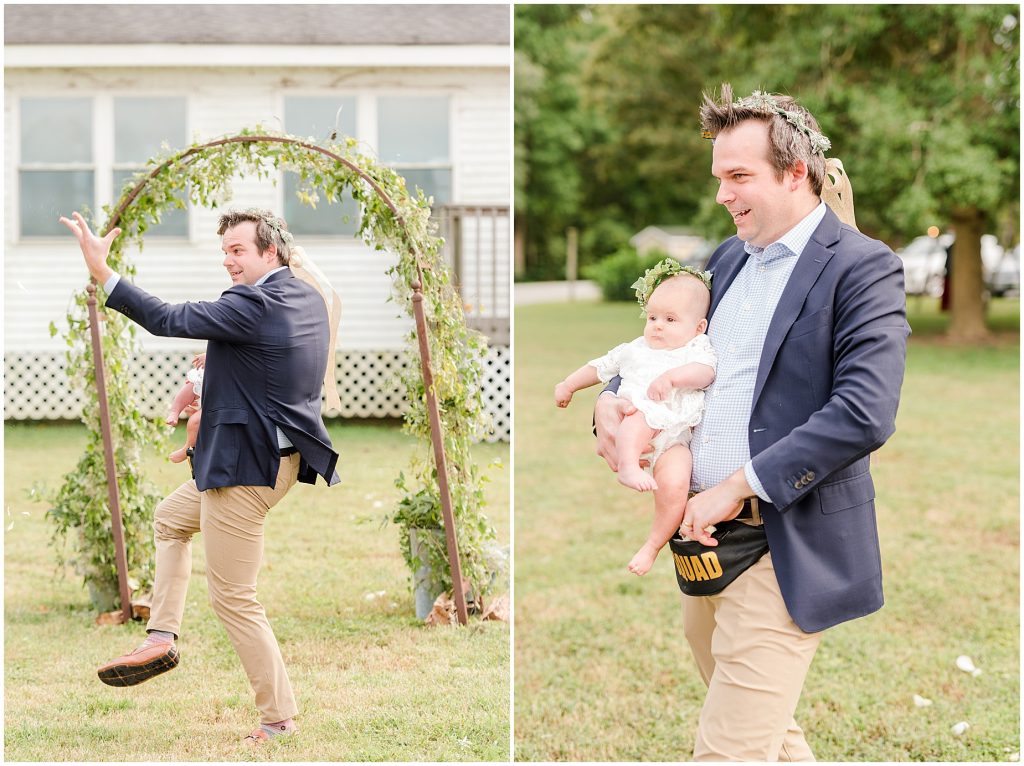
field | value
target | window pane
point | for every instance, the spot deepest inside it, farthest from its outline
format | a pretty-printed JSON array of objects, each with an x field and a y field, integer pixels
[
  {"x": 56, "y": 130},
  {"x": 141, "y": 125},
  {"x": 48, "y": 194},
  {"x": 434, "y": 182},
  {"x": 326, "y": 219},
  {"x": 173, "y": 223},
  {"x": 317, "y": 117},
  {"x": 413, "y": 128}
]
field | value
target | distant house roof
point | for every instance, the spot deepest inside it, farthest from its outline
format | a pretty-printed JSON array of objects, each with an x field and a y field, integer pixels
[{"x": 256, "y": 24}]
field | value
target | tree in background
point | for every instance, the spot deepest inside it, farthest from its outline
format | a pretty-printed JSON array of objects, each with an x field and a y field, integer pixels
[
  {"x": 550, "y": 133},
  {"x": 921, "y": 103}
]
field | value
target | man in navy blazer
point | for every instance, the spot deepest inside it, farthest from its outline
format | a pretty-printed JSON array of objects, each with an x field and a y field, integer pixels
[
  {"x": 261, "y": 431},
  {"x": 808, "y": 317}
]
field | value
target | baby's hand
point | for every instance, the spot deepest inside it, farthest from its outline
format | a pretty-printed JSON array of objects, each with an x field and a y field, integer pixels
[
  {"x": 660, "y": 388},
  {"x": 563, "y": 394},
  {"x": 199, "y": 362}
]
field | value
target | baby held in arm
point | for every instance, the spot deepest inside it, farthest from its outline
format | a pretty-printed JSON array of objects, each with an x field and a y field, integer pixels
[
  {"x": 187, "y": 401},
  {"x": 663, "y": 374}
]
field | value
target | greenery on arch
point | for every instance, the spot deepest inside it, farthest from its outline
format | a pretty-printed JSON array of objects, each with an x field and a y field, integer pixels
[{"x": 392, "y": 220}]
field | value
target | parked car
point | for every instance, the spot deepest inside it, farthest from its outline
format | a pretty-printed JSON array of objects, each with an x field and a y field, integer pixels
[
  {"x": 924, "y": 265},
  {"x": 1004, "y": 278}
]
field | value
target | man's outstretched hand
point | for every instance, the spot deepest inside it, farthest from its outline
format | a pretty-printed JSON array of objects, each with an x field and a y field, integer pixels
[{"x": 94, "y": 249}]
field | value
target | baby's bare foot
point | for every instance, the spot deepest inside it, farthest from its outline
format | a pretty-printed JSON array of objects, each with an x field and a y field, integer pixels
[
  {"x": 636, "y": 478},
  {"x": 642, "y": 562},
  {"x": 179, "y": 455}
]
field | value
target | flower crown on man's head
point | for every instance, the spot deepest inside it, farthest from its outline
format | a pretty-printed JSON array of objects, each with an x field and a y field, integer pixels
[
  {"x": 273, "y": 222},
  {"x": 653, "y": 277},
  {"x": 765, "y": 103}
]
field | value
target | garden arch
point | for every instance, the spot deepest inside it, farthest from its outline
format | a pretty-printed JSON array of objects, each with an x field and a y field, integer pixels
[{"x": 450, "y": 354}]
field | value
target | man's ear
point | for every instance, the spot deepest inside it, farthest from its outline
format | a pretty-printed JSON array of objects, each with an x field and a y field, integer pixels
[
  {"x": 272, "y": 252},
  {"x": 798, "y": 174}
]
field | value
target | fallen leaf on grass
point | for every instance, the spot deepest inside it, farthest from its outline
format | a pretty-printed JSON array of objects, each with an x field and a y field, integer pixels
[
  {"x": 111, "y": 618},
  {"x": 497, "y": 609},
  {"x": 443, "y": 612},
  {"x": 960, "y": 728},
  {"x": 921, "y": 701}
]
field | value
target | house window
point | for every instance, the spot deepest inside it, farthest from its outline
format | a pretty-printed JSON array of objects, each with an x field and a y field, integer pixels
[
  {"x": 317, "y": 118},
  {"x": 143, "y": 128},
  {"x": 59, "y": 167},
  {"x": 56, "y": 171},
  {"x": 413, "y": 138}
]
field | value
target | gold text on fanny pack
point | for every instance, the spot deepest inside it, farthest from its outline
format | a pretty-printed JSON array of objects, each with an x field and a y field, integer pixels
[{"x": 702, "y": 567}]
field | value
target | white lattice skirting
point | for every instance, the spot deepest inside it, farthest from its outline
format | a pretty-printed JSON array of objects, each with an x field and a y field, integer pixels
[{"x": 36, "y": 387}]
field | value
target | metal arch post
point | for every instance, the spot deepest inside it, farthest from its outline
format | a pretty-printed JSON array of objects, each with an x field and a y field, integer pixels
[
  {"x": 436, "y": 436},
  {"x": 113, "y": 496}
]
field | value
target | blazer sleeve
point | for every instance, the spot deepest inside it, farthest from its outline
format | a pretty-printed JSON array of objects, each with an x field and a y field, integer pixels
[
  {"x": 234, "y": 317},
  {"x": 869, "y": 342}
]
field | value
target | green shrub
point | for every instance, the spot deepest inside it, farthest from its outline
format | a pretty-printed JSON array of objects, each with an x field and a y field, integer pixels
[{"x": 617, "y": 272}]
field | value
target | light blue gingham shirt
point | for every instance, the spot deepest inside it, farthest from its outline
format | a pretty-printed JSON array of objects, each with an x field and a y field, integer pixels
[
  {"x": 282, "y": 440},
  {"x": 737, "y": 331}
]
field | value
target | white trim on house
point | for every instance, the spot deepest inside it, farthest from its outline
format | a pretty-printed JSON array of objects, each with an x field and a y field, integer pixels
[{"x": 162, "y": 55}]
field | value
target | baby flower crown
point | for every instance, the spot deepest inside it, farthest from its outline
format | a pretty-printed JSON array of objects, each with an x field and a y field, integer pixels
[
  {"x": 765, "y": 103},
  {"x": 659, "y": 273}
]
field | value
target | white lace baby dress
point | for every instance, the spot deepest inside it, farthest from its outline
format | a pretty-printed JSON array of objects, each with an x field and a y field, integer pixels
[{"x": 638, "y": 365}]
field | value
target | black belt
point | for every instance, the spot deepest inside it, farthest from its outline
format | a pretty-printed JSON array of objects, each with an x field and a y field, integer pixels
[{"x": 286, "y": 451}]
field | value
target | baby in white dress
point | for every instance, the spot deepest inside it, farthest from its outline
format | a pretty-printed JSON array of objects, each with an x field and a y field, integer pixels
[{"x": 663, "y": 376}]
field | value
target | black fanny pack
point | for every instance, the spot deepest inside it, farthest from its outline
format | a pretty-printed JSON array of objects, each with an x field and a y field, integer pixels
[{"x": 702, "y": 570}]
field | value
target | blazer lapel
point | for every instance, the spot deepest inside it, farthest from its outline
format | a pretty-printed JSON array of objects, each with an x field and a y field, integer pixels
[
  {"x": 724, "y": 272},
  {"x": 806, "y": 272}
]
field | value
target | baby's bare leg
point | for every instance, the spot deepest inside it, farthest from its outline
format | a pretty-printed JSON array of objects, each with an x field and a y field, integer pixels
[
  {"x": 673, "y": 474},
  {"x": 185, "y": 396},
  {"x": 632, "y": 439},
  {"x": 191, "y": 431}
]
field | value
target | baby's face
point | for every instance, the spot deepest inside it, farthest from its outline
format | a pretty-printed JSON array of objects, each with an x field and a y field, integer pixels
[{"x": 672, "y": 320}]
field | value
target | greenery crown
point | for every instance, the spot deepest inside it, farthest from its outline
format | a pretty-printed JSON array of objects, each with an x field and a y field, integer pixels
[
  {"x": 273, "y": 222},
  {"x": 661, "y": 271},
  {"x": 759, "y": 101}
]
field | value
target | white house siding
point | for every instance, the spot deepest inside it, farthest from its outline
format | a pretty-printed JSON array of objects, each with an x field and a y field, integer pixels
[{"x": 40, "y": 274}]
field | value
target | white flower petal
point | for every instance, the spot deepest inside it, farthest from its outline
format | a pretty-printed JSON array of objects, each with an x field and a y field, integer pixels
[
  {"x": 965, "y": 664},
  {"x": 921, "y": 701},
  {"x": 960, "y": 728}
]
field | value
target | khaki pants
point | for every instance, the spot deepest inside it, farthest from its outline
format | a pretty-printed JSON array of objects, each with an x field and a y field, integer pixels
[
  {"x": 754, "y": 659},
  {"x": 231, "y": 520}
]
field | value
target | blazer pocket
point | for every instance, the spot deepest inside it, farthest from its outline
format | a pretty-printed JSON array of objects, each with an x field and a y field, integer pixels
[
  {"x": 846, "y": 493},
  {"x": 225, "y": 416},
  {"x": 808, "y": 324}
]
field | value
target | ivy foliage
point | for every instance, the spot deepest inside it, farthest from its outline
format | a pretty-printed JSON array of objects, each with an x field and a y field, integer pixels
[{"x": 392, "y": 220}]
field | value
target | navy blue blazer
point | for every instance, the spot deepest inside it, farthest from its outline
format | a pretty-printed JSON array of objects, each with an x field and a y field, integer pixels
[
  {"x": 825, "y": 397},
  {"x": 266, "y": 355}
]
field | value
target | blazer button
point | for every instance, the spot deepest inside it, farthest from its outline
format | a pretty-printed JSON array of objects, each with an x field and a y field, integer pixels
[{"x": 810, "y": 476}]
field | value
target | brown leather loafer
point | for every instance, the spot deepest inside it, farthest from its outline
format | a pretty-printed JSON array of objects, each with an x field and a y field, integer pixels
[{"x": 139, "y": 665}]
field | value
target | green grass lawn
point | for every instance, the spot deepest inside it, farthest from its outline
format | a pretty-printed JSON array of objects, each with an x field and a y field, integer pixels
[
  {"x": 603, "y": 671},
  {"x": 372, "y": 683}
]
